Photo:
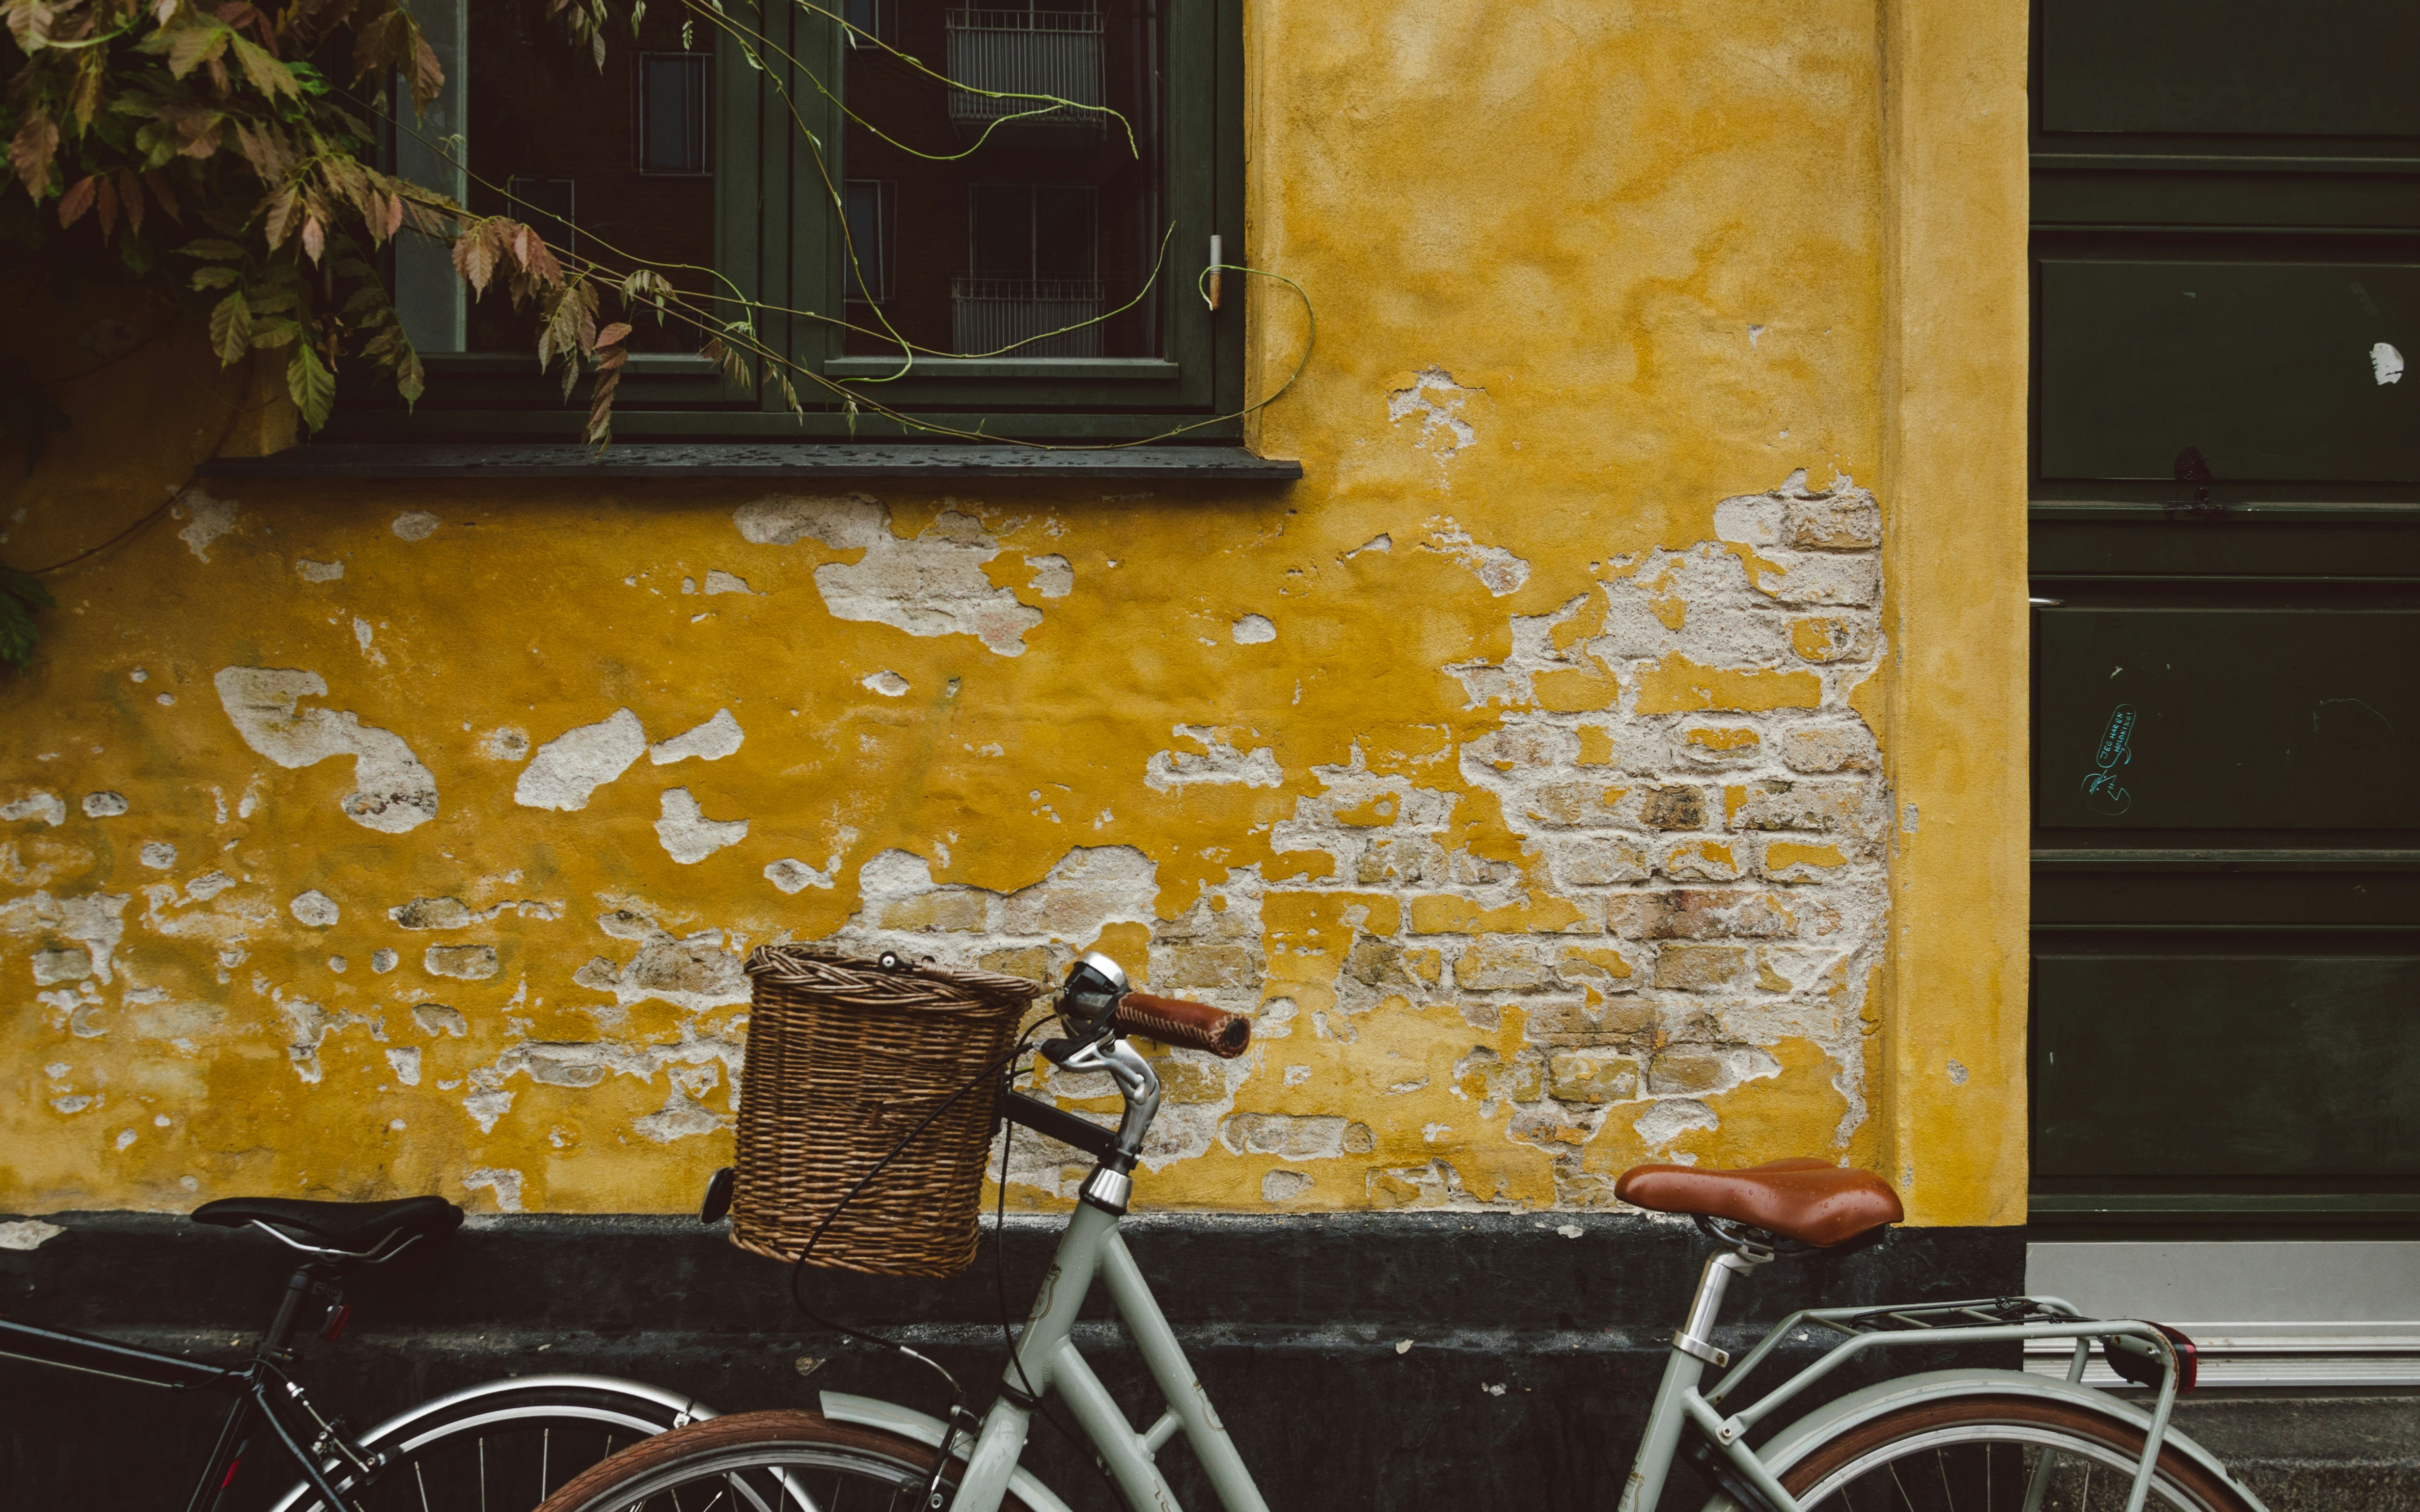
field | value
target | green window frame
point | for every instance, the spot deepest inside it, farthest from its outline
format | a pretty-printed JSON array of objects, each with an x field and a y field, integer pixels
[{"x": 780, "y": 239}]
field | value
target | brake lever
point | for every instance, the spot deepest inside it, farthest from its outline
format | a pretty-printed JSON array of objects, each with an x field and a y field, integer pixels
[{"x": 1060, "y": 1051}]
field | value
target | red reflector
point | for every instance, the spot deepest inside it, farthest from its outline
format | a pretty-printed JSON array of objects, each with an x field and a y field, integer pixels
[
  {"x": 336, "y": 1321},
  {"x": 228, "y": 1479},
  {"x": 2188, "y": 1358}
]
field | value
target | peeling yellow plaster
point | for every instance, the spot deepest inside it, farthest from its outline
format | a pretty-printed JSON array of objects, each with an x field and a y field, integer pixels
[
  {"x": 1679, "y": 685},
  {"x": 1442, "y": 836}
]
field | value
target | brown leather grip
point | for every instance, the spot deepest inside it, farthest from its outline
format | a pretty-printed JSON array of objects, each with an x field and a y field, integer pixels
[{"x": 1174, "y": 1021}]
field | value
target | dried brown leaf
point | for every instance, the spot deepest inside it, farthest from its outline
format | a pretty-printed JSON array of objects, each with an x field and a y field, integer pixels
[
  {"x": 263, "y": 71},
  {"x": 191, "y": 39},
  {"x": 31, "y": 152},
  {"x": 427, "y": 75},
  {"x": 599, "y": 430},
  {"x": 543, "y": 269},
  {"x": 78, "y": 199},
  {"x": 130, "y": 193},
  {"x": 283, "y": 209},
  {"x": 474, "y": 258},
  {"x": 85, "y": 92},
  {"x": 570, "y": 325}
]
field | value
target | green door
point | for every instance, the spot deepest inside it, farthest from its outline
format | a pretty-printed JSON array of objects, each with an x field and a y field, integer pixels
[{"x": 2227, "y": 689}]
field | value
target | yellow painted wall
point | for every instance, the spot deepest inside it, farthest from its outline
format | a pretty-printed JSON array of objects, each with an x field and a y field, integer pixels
[{"x": 1528, "y": 770}]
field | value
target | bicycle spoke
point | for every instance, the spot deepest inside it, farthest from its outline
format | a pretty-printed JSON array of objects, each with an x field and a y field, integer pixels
[
  {"x": 1910, "y": 1501},
  {"x": 545, "y": 1451},
  {"x": 421, "y": 1481},
  {"x": 1949, "y": 1497}
]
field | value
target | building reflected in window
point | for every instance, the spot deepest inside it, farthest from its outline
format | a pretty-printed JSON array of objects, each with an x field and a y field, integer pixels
[{"x": 1041, "y": 241}]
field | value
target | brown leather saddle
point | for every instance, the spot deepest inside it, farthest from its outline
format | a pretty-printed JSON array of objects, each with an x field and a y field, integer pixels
[{"x": 1811, "y": 1202}]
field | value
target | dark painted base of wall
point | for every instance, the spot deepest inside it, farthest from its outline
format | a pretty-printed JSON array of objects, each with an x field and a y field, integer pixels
[
  {"x": 1531, "y": 1358},
  {"x": 2313, "y": 1451}
]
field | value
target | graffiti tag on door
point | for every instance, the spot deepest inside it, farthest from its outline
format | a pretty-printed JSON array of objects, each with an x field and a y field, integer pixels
[{"x": 2101, "y": 789}]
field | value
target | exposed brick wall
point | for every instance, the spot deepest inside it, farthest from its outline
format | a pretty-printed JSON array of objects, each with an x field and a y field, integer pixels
[{"x": 1700, "y": 878}]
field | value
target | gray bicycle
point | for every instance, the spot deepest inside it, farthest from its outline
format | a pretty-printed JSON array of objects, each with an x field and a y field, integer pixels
[{"x": 1950, "y": 1439}]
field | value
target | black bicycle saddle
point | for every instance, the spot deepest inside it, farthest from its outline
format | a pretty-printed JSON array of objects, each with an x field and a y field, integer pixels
[{"x": 360, "y": 1226}]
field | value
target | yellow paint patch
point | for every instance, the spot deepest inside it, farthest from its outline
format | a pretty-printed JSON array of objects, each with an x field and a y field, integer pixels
[
  {"x": 1701, "y": 860},
  {"x": 1596, "y": 747},
  {"x": 1677, "y": 686},
  {"x": 1576, "y": 628},
  {"x": 1288, "y": 865},
  {"x": 1602, "y": 958},
  {"x": 1784, "y": 855},
  {"x": 1451, "y": 913},
  {"x": 1574, "y": 691},
  {"x": 1774, "y": 1116},
  {"x": 1870, "y": 697},
  {"x": 1129, "y": 945},
  {"x": 1377, "y": 814},
  {"x": 1723, "y": 741}
]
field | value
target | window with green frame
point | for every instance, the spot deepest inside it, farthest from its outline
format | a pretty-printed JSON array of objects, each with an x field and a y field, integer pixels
[{"x": 931, "y": 219}]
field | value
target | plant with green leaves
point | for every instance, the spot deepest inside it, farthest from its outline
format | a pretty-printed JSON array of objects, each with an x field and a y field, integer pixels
[
  {"x": 223, "y": 154},
  {"x": 204, "y": 150},
  {"x": 21, "y": 594}
]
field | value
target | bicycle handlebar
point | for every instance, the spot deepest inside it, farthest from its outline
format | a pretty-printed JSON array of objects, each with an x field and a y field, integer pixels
[{"x": 1175, "y": 1021}]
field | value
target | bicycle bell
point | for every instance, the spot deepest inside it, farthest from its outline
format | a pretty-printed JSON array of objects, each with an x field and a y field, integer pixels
[{"x": 1094, "y": 986}]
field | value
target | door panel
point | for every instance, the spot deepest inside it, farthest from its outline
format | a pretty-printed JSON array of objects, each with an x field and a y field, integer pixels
[
  {"x": 2226, "y": 515},
  {"x": 2293, "y": 1066},
  {"x": 2332, "y": 67},
  {"x": 2268, "y": 369},
  {"x": 2227, "y": 718}
]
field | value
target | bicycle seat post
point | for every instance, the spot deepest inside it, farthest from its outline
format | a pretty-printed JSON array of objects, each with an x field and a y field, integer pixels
[
  {"x": 313, "y": 1283},
  {"x": 1697, "y": 1335}
]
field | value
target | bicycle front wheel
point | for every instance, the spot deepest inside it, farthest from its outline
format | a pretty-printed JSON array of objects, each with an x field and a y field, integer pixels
[
  {"x": 1984, "y": 1454},
  {"x": 776, "y": 1461},
  {"x": 500, "y": 1448}
]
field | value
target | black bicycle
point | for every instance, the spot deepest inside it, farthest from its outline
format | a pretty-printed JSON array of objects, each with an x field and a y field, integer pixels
[{"x": 501, "y": 1445}]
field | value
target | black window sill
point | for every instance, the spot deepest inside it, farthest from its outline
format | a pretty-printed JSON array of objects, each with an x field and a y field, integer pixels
[{"x": 731, "y": 460}]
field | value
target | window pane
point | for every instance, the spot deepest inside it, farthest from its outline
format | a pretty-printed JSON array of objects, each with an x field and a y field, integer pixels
[
  {"x": 1042, "y": 236},
  {"x": 673, "y": 111},
  {"x": 609, "y": 166},
  {"x": 868, "y": 202}
]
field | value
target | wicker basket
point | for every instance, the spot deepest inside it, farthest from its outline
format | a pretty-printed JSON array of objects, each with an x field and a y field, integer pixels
[{"x": 844, "y": 1056}]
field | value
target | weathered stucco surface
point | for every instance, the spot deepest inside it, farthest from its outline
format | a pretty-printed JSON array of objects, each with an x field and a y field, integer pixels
[{"x": 1522, "y": 771}]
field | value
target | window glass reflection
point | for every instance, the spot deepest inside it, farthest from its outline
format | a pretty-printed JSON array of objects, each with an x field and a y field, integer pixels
[{"x": 983, "y": 220}]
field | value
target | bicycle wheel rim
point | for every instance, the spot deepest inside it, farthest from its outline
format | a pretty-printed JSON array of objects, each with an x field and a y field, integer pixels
[
  {"x": 776, "y": 1460},
  {"x": 1984, "y": 1455},
  {"x": 778, "y": 1478},
  {"x": 500, "y": 1459}
]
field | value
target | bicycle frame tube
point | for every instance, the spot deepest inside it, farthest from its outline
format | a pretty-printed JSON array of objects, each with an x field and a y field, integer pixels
[
  {"x": 71, "y": 1351},
  {"x": 1046, "y": 1356},
  {"x": 252, "y": 1387}
]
